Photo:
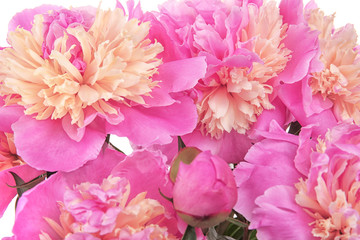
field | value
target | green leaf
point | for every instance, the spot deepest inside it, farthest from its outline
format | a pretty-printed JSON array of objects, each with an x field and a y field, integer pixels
[
  {"x": 252, "y": 235},
  {"x": 213, "y": 235},
  {"x": 189, "y": 233},
  {"x": 237, "y": 222}
]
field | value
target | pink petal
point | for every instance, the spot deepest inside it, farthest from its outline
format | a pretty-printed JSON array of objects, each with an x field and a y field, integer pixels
[
  {"x": 306, "y": 145},
  {"x": 25, "y": 18},
  {"x": 279, "y": 217},
  {"x": 9, "y": 115},
  {"x": 35, "y": 204},
  {"x": 146, "y": 172},
  {"x": 41, "y": 201},
  {"x": 7, "y": 193},
  {"x": 269, "y": 162},
  {"x": 292, "y": 11},
  {"x": 45, "y": 145},
  {"x": 172, "y": 52},
  {"x": 144, "y": 126},
  {"x": 279, "y": 114},
  {"x": 302, "y": 53},
  {"x": 176, "y": 76},
  {"x": 232, "y": 147},
  {"x": 292, "y": 98}
]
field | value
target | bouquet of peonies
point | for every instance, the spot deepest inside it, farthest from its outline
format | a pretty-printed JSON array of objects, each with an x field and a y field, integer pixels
[{"x": 244, "y": 118}]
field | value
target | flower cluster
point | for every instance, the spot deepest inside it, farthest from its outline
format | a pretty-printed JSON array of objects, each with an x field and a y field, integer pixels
[{"x": 238, "y": 129}]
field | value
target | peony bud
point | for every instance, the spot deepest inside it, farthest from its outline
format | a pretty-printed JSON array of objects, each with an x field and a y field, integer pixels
[{"x": 204, "y": 190}]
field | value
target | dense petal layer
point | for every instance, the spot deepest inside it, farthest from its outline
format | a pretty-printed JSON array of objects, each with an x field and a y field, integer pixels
[
  {"x": 55, "y": 151},
  {"x": 41, "y": 201}
]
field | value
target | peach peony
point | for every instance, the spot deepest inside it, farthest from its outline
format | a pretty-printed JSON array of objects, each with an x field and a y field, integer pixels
[
  {"x": 80, "y": 76},
  {"x": 339, "y": 80},
  {"x": 243, "y": 45}
]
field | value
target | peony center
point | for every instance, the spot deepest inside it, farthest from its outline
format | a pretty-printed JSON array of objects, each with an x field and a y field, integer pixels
[{"x": 116, "y": 66}]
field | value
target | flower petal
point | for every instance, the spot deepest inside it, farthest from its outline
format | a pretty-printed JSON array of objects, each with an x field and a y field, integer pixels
[
  {"x": 25, "y": 18},
  {"x": 43, "y": 144},
  {"x": 41, "y": 201},
  {"x": 144, "y": 126},
  {"x": 6, "y": 179},
  {"x": 279, "y": 217},
  {"x": 9, "y": 115}
]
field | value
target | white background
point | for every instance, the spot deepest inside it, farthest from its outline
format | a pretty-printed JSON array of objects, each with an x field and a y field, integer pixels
[{"x": 346, "y": 12}]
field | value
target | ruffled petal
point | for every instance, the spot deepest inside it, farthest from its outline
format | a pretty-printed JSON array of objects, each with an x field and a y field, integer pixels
[
  {"x": 41, "y": 201},
  {"x": 25, "y": 18},
  {"x": 271, "y": 161},
  {"x": 279, "y": 217},
  {"x": 304, "y": 53}
]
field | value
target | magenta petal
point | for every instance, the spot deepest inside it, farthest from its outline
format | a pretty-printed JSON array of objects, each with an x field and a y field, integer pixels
[
  {"x": 269, "y": 162},
  {"x": 279, "y": 114},
  {"x": 25, "y": 18},
  {"x": 302, "y": 53},
  {"x": 146, "y": 172},
  {"x": 144, "y": 126},
  {"x": 292, "y": 11},
  {"x": 9, "y": 115},
  {"x": 35, "y": 204},
  {"x": 41, "y": 201},
  {"x": 232, "y": 147},
  {"x": 182, "y": 74},
  {"x": 292, "y": 98},
  {"x": 45, "y": 145},
  {"x": 279, "y": 217},
  {"x": 176, "y": 76},
  {"x": 7, "y": 193}
]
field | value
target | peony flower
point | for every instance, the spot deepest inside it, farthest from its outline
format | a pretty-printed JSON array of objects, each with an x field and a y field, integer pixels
[
  {"x": 202, "y": 201},
  {"x": 338, "y": 82},
  {"x": 80, "y": 76},
  {"x": 243, "y": 45},
  {"x": 104, "y": 211},
  {"x": 329, "y": 79},
  {"x": 316, "y": 190},
  {"x": 112, "y": 197}
]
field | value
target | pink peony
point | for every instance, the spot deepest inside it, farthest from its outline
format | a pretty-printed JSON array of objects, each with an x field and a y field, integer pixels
[
  {"x": 202, "y": 201},
  {"x": 83, "y": 76},
  {"x": 328, "y": 74},
  {"x": 313, "y": 189},
  {"x": 243, "y": 45},
  {"x": 112, "y": 197}
]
